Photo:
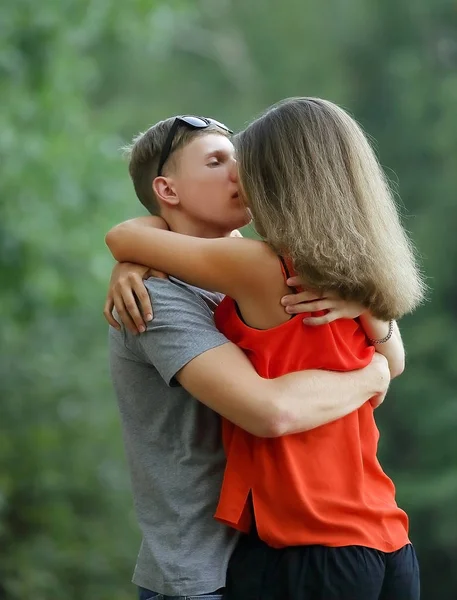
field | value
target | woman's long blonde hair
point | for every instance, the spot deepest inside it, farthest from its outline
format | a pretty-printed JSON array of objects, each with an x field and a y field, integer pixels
[{"x": 319, "y": 196}]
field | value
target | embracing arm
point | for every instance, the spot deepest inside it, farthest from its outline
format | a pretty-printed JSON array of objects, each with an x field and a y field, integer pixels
[
  {"x": 183, "y": 343},
  {"x": 228, "y": 265},
  {"x": 225, "y": 380}
]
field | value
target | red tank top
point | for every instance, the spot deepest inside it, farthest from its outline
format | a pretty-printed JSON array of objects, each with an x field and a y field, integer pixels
[{"x": 323, "y": 486}]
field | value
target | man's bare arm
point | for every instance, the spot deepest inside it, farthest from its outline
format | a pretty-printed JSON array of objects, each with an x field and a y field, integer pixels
[{"x": 225, "y": 380}]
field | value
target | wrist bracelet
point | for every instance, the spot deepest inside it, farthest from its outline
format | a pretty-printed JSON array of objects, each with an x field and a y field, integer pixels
[{"x": 387, "y": 337}]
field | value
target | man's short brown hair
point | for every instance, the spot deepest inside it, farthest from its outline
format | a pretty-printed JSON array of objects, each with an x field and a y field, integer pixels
[{"x": 144, "y": 155}]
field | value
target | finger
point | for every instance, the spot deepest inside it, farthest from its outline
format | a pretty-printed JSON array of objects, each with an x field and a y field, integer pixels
[
  {"x": 124, "y": 314},
  {"x": 328, "y": 318},
  {"x": 299, "y": 297},
  {"x": 108, "y": 313},
  {"x": 331, "y": 295},
  {"x": 131, "y": 307},
  {"x": 310, "y": 307},
  {"x": 158, "y": 274},
  {"x": 144, "y": 300},
  {"x": 297, "y": 281}
]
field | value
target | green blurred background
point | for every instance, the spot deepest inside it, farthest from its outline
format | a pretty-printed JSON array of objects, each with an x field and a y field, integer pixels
[{"x": 78, "y": 78}]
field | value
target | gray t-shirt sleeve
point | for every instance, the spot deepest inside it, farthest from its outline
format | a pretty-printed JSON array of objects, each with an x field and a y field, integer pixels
[{"x": 182, "y": 329}]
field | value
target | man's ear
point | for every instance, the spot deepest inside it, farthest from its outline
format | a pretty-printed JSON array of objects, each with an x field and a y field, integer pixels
[{"x": 165, "y": 190}]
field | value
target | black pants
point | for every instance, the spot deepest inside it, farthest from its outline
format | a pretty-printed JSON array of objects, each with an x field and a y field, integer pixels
[{"x": 258, "y": 572}]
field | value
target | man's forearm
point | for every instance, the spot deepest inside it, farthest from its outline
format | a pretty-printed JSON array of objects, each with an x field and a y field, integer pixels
[
  {"x": 225, "y": 380},
  {"x": 307, "y": 399}
]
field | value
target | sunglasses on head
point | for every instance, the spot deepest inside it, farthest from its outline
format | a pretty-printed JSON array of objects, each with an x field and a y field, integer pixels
[{"x": 189, "y": 121}]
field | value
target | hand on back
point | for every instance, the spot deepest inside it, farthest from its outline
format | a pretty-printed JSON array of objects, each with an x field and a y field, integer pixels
[{"x": 314, "y": 301}]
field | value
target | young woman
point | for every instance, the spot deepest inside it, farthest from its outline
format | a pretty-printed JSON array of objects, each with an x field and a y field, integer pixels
[{"x": 320, "y": 513}]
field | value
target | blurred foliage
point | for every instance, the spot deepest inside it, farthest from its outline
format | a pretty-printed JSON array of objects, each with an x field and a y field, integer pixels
[{"x": 77, "y": 79}]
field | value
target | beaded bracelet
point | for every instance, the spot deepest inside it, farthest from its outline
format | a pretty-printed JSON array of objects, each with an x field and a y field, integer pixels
[{"x": 387, "y": 337}]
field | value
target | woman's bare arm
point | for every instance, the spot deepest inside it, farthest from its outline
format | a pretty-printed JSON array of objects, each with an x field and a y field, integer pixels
[
  {"x": 393, "y": 349},
  {"x": 230, "y": 265}
]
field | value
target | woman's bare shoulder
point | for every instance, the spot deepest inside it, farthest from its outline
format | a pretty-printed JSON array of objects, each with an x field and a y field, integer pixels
[{"x": 253, "y": 253}]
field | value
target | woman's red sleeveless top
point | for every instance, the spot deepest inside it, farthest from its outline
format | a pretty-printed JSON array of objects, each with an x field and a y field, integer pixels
[{"x": 323, "y": 486}]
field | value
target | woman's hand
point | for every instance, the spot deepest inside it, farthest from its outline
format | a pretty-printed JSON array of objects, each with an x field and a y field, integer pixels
[
  {"x": 126, "y": 287},
  {"x": 310, "y": 301}
]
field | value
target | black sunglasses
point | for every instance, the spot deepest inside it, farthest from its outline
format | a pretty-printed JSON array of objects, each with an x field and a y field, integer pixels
[{"x": 189, "y": 121}]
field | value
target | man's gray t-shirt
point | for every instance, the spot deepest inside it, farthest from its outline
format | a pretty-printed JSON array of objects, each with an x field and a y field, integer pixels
[{"x": 173, "y": 444}]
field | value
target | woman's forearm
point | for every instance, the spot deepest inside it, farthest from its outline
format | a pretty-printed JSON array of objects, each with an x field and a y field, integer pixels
[
  {"x": 121, "y": 238},
  {"x": 217, "y": 264},
  {"x": 393, "y": 349}
]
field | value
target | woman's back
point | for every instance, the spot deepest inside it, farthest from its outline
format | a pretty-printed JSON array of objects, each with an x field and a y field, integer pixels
[{"x": 324, "y": 486}]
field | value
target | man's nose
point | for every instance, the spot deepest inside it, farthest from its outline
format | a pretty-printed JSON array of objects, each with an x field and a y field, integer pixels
[{"x": 233, "y": 173}]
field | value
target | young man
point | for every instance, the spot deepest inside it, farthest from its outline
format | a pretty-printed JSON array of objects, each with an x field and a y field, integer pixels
[{"x": 173, "y": 379}]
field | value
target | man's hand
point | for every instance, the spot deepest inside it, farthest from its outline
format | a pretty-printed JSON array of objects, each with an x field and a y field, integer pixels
[
  {"x": 125, "y": 287},
  {"x": 381, "y": 368},
  {"x": 312, "y": 301}
]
